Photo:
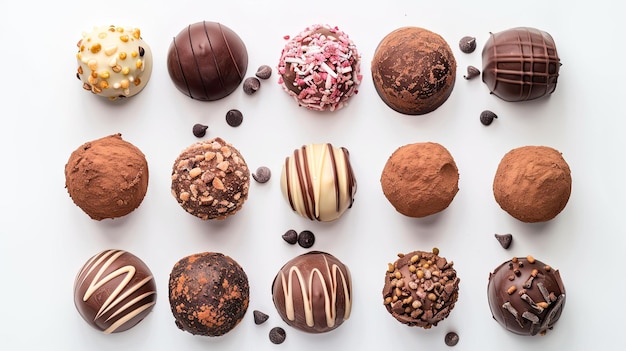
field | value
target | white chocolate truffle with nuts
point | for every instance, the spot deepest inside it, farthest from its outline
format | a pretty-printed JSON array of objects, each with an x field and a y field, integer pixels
[{"x": 114, "y": 62}]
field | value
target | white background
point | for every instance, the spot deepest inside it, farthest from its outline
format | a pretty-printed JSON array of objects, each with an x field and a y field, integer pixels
[{"x": 46, "y": 114}]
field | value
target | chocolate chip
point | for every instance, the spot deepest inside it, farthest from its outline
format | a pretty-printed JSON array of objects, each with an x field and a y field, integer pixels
[
  {"x": 259, "y": 317},
  {"x": 277, "y": 335},
  {"x": 504, "y": 240},
  {"x": 472, "y": 72},
  {"x": 451, "y": 339},
  {"x": 291, "y": 236},
  {"x": 199, "y": 130},
  {"x": 142, "y": 51},
  {"x": 262, "y": 174},
  {"x": 486, "y": 117},
  {"x": 251, "y": 85},
  {"x": 264, "y": 72},
  {"x": 467, "y": 44},
  {"x": 234, "y": 118},
  {"x": 306, "y": 239}
]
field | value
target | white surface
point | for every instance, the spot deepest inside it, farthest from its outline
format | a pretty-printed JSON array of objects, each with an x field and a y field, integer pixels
[{"x": 45, "y": 239}]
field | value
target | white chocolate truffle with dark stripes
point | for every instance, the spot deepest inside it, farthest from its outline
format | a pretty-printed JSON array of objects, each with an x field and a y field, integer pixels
[
  {"x": 114, "y": 291},
  {"x": 318, "y": 181}
]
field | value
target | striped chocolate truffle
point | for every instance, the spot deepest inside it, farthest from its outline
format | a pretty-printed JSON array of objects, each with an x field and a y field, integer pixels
[
  {"x": 318, "y": 181},
  {"x": 313, "y": 292},
  {"x": 114, "y": 291}
]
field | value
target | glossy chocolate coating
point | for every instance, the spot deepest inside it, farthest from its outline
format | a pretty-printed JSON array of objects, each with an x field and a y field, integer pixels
[
  {"x": 207, "y": 61},
  {"x": 114, "y": 291},
  {"x": 520, "y": 64},
  {"x": 313, "y": 292},
  {"x": 526, "y": 296}
]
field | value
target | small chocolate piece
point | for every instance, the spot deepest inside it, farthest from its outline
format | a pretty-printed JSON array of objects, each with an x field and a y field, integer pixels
[
  {"x": 277, "y": 335},
  {"x": 472, "y": 72},
  {"x": 262, "y": 174},
  {"x": 264, "y": 72},
  {"x": 291, "y": 236},
  {"x": 260, "y": 317},
  {"x": 487, "y": 117},
  {"x": 451, "y": 339},
  {"x": 504, "y": 240},
  {"x": 251, "y": 85},
  {"x": 467, "y": 44},
  {"x": 199, "y": 130},
  {"x": 234, "y": 117},
  {"x": 306, "y": 239}
]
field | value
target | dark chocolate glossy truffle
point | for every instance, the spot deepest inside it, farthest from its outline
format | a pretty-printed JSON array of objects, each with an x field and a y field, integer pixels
[
  {"x": 313, "y": 292},
  {"x": 526, "y": 296},
  {"x": 414, "y": 70},
  {"x": 114, "y": 291},
  {"x": 421, "y": 289},
  {"x": 207, "y": 61},
  {"x": 520, "y": 64},
  {"x": 208, "y": 293}
]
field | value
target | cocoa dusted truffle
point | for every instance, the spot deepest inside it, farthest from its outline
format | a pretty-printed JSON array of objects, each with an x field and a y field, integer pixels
[
  {"x": 210, "y": 179},
  {"x": 207, "y": 61},
  {"x": 420, "y": 179},
  {"x": 318, "y": 181},
  {"x": 114, "y": 291},
  {"x": 421, "y": 288},
  {"x": 520, "y": 64},
  {"x": 320, "y": 68},
  {"x": 208, "y": 293},
  {"x": 413, "y": 70},
  {"x": 533, "y": 183},
  {"x": 526, "y": 296},
  {"x": 313, "y": 292},
  {"x": 107, "y": 177}
]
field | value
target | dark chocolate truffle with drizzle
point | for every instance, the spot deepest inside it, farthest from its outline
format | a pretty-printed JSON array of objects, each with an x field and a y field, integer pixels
[
  {"x": 520, "y": 64},
  {"x": 207, "y": 61},
  {"x": 526, "y": 296},
  {"x": 313, "y": 292}
]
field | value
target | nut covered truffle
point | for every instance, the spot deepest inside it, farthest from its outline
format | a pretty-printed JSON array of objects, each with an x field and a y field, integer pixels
[
  {"x": 107, "y": 177},
  {"x": 533, "y": 183},
  {"x": 210, "y": 179},
  {"x": 421, "y": 288},
  {"x": 114, "y": 62},
  {"x": 318, "y": 181},
  {"x": 313, "y": 292},
  {"x": 208, "y": 293},
  {"x": 114, "y": 291},
  {"x": 414, "y": 70},
  {"x": 420, "y": 179},
  {"x": 526, "y": 296}
]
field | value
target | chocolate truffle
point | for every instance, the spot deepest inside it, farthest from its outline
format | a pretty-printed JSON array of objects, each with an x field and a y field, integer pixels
[
  {"x": 526, "y": 296},
  {"x": 114, "y": 62},
  {"x": 532, "y": 183},
  {"x": 520, "y": 64},
  {"x": 313, "y": 292},
  {"x": 207, "y": 61},
  {"x": 107, "y": 177},
  {"x": 318, "y": 181},
  {"x": 210, "y": 179},
  {"x": 420, "y": 179},
  {"x": 209, "y": 294},
  {"x": 414, "y": 70},
  {"x": 421, "y": 289},
  {"x": 320, "y": 68},
  {"x": 114, "y": 291}
]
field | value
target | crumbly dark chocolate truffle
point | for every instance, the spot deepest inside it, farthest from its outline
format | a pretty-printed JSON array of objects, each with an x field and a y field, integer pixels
[
  {"x": 420, "y": 179},
  {"x": 207, "y": 61},
  {"x": 114, "y": 291},
  {"x": 208, "y": 293},
  {"x": 520, "y": 64},
  {"x": 421, "y": 289},
  {"x": 413, "y": 70},
  {"x": 533, "y": 183},
  {"x": 107, "y": 177},
  {"x": 313, "y": 292},
  {"x": 526, "y": 296},
  {"x": 210, "y": 179}
]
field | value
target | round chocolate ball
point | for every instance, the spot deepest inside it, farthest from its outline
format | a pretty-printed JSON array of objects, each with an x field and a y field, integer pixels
[
  {"x": 208, "y": 293},
  {"x": 207, "y": 61},
  {"x": 526, "y": 296},
  {"x": 313, "y": 292},
  {"x": 114, "y": 291}
]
